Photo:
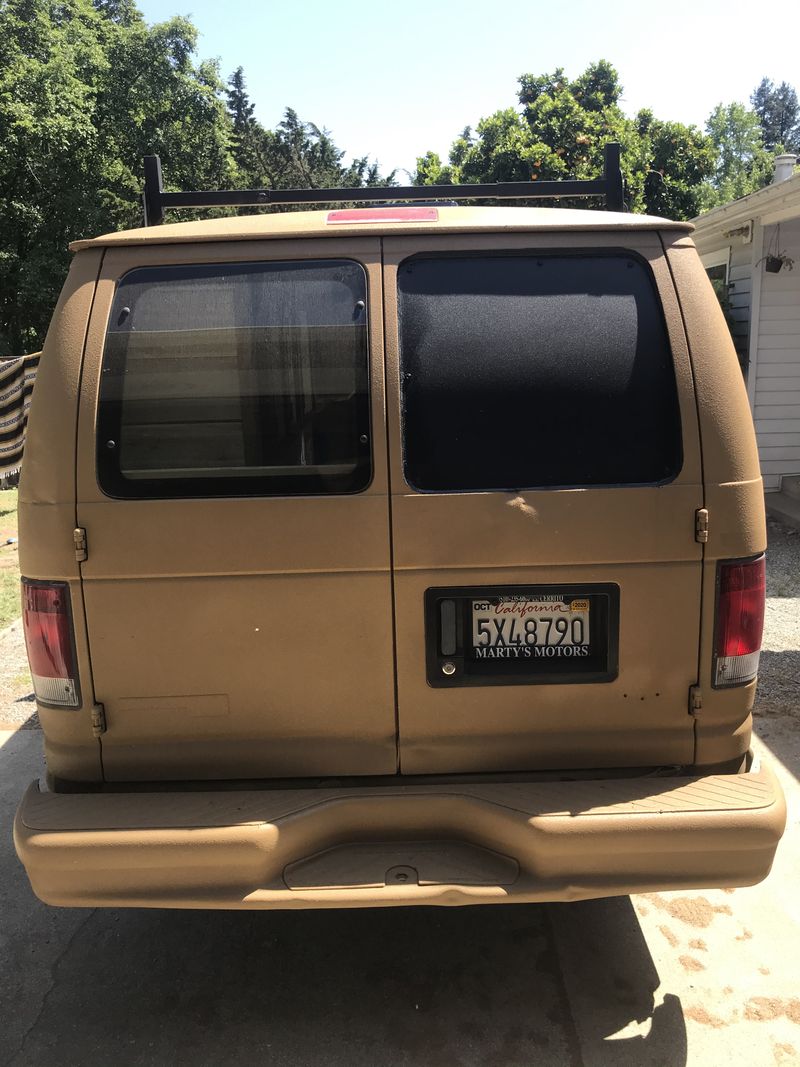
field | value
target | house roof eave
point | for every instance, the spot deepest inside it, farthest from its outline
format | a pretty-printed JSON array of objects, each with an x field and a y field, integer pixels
[{"x": 783, "y": 197}]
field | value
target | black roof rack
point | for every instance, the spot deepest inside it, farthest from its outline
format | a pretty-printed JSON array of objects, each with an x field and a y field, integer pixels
[{"x": 156, "y": 201}]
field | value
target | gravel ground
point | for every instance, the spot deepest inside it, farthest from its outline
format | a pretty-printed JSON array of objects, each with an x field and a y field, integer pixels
[
  {"x": 779, "y": 677},
  {"x": 779, "y": 673},
  {"x": 17, "y": 707}
]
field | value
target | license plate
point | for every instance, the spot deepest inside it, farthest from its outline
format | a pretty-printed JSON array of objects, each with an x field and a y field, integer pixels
[
  {"x": 521, "y": 635},
  {"x": 518, "y": 627}
]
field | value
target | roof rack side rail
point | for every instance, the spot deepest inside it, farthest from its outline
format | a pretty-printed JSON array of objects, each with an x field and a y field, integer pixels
[{"x": 156, "y": 201}]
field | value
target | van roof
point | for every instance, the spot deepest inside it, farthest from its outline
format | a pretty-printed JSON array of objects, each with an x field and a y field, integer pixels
[{"x": 362, "y": 222}]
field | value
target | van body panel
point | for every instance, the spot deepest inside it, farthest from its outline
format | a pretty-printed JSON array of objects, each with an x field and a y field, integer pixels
[
  {"x": 300, "y": 225},
  {"x": 222, "y": 758},
  {"x": 639, "y": 719},
  {"x": 204, "y": 674},
  {"x": 47, "y": 507},
  {"x": 640, "y": 538},
  {"x": 47, "y": 480},
  {"x": 733, "y": 487}
]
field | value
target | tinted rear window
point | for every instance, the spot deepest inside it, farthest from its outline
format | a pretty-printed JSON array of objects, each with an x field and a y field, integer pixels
[
  {"x": 535, "y": 371},
  {"x": 230, "y": 379}
]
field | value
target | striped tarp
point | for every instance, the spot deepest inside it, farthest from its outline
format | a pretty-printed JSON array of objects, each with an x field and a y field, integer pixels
[{"x": 16, "y": 385}]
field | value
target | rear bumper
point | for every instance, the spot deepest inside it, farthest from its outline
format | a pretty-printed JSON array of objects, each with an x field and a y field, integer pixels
[{"x": 406, "y": 844}]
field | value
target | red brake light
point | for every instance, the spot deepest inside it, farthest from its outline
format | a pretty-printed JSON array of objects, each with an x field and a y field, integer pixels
[
  {"x": 47, "y": 624},
  {"x": 741, "y": 593},
  {"x": 385, "y": 214}
]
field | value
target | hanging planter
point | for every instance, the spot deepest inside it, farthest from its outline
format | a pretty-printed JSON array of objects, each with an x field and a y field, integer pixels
[
  {"x": 774, "y": 264},
  {"x": 774, "y": 261}
]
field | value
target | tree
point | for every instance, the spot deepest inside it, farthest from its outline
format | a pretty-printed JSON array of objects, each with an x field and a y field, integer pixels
[
  {"x": 239, "y": 104},
  {"x": 778, "y": 113},
  {"x": 676, "y": 162},
  {"x": 743, "y": 163},
  {"x": 249, "y": 143},
  {"x": 86, "y": 90},
  {"x": 296, "y": 155},
  {"x": 560, "y": 129}
]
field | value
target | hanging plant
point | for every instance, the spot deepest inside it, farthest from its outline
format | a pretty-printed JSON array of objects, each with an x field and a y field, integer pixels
[{"x": 774, "y": 261}]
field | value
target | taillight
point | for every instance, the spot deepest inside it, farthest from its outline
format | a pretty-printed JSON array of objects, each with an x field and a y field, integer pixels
[
  {"x": 47, "y": 623},
  {"x": 741, "y": 592}
]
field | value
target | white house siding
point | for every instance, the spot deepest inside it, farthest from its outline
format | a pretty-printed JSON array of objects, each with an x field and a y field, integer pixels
[
  {"x": 777, "y": 392},
  {"x": 739, "y": 290}
]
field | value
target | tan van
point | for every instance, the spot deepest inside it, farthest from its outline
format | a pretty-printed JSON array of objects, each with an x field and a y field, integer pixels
[{"x": 409, "y": 554}]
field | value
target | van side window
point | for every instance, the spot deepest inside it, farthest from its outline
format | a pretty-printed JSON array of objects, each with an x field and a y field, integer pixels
[
  {"x": 236, "y": 379},
  {"x": 535, "y": 372}
]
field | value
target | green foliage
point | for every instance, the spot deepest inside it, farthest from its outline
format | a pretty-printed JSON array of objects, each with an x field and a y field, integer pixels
[
  {"x": 560, "y": 130},
  {"x": 297, "y": 155},
  {"x": 10, "y": 605},
  {"x": 86, "y": 90},
  {"x": 743, "y": 163},
  {"x": 677, "y": 162},
  {"x": 10, "y": 597},
  {"x": 778, "y": 113}
]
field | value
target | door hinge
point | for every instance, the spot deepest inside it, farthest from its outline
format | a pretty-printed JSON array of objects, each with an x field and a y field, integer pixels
[
  {"x": 79, "y": 537},
  {"x": 695, "y": 700},
  {"x": 701, "y": 525},
  {"x": 98, "y": 720}
]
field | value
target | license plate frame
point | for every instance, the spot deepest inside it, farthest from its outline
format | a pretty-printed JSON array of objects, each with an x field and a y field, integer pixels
[{"x": 449, "y": 634}]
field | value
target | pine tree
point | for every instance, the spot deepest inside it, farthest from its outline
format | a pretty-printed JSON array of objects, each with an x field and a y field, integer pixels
[
  {"x": 240, "y": 107},
  {"x": 779, "y": 114}
]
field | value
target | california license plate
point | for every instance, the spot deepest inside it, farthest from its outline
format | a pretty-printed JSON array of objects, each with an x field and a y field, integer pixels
[
  {"x": 519, "y": 627},
  {"x": 521, "y": 635}
]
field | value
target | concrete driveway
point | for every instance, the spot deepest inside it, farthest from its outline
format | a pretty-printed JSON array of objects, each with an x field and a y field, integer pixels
[{"x": 706, "y": 978}]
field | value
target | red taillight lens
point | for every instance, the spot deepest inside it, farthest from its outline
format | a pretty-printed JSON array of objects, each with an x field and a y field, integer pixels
[
  {"x": 47, "y": 623},
  {"x": 741, "y": 593}
]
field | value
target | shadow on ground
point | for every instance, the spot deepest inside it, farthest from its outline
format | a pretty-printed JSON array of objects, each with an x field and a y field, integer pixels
[
  {"x": 775, "y": 716},
  {"x": 526, "y": 985},
  {"x": 411, "y": 986}
]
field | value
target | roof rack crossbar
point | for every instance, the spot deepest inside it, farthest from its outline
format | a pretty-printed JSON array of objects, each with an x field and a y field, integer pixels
[{"x": 156, "y": 201}]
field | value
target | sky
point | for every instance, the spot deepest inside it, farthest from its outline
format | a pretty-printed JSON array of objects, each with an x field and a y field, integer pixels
[{"x": 391, "y": 81}]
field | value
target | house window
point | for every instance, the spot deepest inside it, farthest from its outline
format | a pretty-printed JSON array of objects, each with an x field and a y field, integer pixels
[
  {"x": 717, "y": 268},
  {"x": 717, "y": 265}
]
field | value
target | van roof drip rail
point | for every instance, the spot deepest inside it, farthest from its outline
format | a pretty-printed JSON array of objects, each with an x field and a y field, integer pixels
[{"x": 156, "y": 201}]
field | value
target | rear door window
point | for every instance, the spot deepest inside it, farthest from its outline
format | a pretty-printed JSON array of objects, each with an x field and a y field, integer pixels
[
  {"x": 236, "y": 379},
  {"x": 546, "y": 371}
]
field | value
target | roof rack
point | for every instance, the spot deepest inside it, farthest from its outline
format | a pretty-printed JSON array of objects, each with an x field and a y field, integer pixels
[{"x": 156, "y": 201}]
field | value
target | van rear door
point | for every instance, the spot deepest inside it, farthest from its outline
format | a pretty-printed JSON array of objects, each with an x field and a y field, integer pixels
[
  {"x": 545, "y": 479},
  {"x": 232, "y": 485}
]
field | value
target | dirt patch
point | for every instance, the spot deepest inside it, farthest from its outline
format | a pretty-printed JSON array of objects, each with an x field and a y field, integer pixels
[
  {"x": 785, "y": 1053},
  {"x": 767, "y": 1009},
  {"x": 699, "y": 944},
  {"x": 669, "y": 936},
  {"x": 694, "y": 911},
  {"x": 689, "y": 963},
  {"x": 698, "y": 1014}
]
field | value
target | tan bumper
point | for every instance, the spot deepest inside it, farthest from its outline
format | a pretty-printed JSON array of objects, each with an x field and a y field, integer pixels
[{"x": 406, "y": 844}]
